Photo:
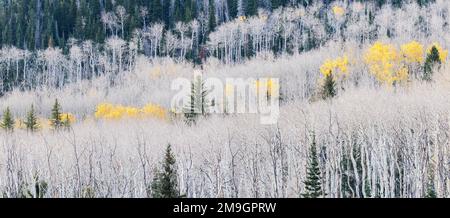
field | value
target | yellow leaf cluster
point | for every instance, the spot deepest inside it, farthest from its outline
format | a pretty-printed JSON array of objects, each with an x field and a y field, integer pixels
[
  {"x": 412, "y": 52},
  {"x": 443, "y": 53},
  {"x": 67, "y": 117},
  {"x": 19, "y": 124},
  {"x": 116, "y": 112},
  {"x": 152, "y": 110},
  {"x": 384, "y": 63},
  {"x": 44, "y": 123},
  {"x": 338, "y": 65},
  {"x": 338, "y": 11}
]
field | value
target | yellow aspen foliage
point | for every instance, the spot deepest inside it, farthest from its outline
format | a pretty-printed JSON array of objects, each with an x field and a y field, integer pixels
[
  {"x": 116, "y": 112},
  {"x": 19, "y": 124},
  {"x": 413, "y": 52},
  {"x": 67, "y": 117},
  {"x": 402, "y": 74},
  {"x": 337, "y": 66},
  {"x": 154, "y": 111},
  {"x": 44, "y": 123},
  {"x": 443, "y": 53},
  {"x": 384, "y": 63},
  {"x": 131, "y": 112},
  {"x": 104, "y": 110},
  {"x": 242, "y": 18},
  {"x": 338, "y": 11}
]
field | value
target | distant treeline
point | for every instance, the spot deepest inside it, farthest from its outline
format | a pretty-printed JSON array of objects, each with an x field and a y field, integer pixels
[{"x": 38, "y": 24}]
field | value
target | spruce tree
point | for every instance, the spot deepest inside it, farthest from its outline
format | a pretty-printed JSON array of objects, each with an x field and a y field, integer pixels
[
  {"x": 7, "y": 121},
  {"x": 431, "y": 62},
  {"x": 164, "y": 184},
  {"x": 431, "y": 190},
  {"x": 198, "y": 103},
  {"x": 329, "y": 87},
  {"x": 313, "y": 186},
  {"x": 190, "y": 113},
  {"x": 31, "y": 122},
  {"x": 55, "y": 119}
]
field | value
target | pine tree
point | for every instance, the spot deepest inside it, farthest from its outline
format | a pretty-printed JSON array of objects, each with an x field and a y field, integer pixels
[
  {"x": 55, "y": 119},
  {"x": 313, "y": 186},
  {"x": 31, "y": 122},
  {"x": 7, "y": 121},
  {"x": 164, "y": 184},
  {"x": 329, "y": 87},
  {"x": 431, "y": 62}
]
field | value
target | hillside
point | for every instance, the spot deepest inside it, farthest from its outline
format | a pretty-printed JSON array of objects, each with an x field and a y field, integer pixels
[{"x": 364, "y": 84}]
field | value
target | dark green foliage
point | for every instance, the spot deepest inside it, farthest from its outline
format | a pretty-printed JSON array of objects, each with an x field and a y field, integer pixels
[
  {"x": 34, "y": 24},
  {"x": 251, "y": 7},
  {"x": 7, "y": 121},
  {"x": 313, "y": 184},
  {"x": 31, "y": 122},
  {"x": 165, "y": 182},
  {"x": 433, "y": 60},
  {"x": 329, "y": 87},
  {"x": 198, "y": 103},
  {"x": 211, "y": 16},
  {"x": 55, "y": 119},
  {"x": 431, "y": 190}
]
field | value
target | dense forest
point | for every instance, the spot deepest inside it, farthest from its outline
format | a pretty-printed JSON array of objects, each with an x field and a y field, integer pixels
[{"x": 38, "y": 24}]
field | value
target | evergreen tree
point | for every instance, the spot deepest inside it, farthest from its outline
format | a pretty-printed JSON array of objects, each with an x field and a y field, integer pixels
[
  {"x": 198, "y": 102},
  {"x": 329, "y": 87},
  {"x": 55, "y": 119},
  {"x": 31, "y": 122},
  {"x": 7, "y": 121},
  {"x": 164, "y": 184},
  {"x": 431, "y": 190},
  {"x": 211, "y": 16},
  {"x": 431, "y": 62},
  {"x": 313, "y": 186},
  {"x": 232, "y": 8},
  {"x": 156, "y": 11}
]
